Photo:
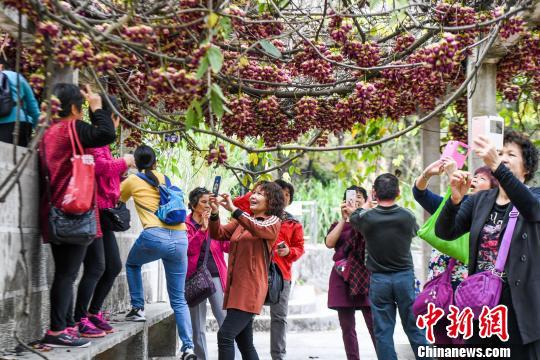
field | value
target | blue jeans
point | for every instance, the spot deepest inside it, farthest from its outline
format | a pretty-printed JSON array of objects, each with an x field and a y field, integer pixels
[
  {"x": 171, "y": 247},
  {"x": 388, "y": 290}
]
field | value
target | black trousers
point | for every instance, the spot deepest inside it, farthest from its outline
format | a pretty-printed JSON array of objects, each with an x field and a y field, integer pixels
[
  {"x": 102, "y": 264},
  {"x": 238, "y": 325},
  {"x": 25, "y": 133},
  {"x": 67, "y": 262}
]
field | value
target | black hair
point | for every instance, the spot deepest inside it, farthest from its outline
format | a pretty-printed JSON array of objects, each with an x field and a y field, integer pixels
[
  {"x": 358, "y": 189},
  {"x": 145, "y": 159},
  {"x": 7, "y": 62},
  {"x": 195, "y": 195},
  {"x": 69, "y": 95},
  {"x": 529, "y": 152},
  {"x": 285, "y": 185},
  {"x": 386, "y": 186},
  {"x": 105, "y": 104}
]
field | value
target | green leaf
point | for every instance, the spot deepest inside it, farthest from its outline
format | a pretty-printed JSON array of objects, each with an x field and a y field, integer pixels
[
  {"x": 191, "y": 119},
  {"x": 291, "y": 170},
  {"x": 217, "y": 105},
  {"x": 270, "y": 48},
  {"x": 247, "y": 179},
  {"x": 203, "y": 66},
  {"x": 212, "y": 19},
  {"x": 198, "y": 109},
  {"x": 217, "y": 90},
  {"x": 253, "y": 159},
  {"x": 225, "y": 27},
  {"x": 216, "y": 58}
]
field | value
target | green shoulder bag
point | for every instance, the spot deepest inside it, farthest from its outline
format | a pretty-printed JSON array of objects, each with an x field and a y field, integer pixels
[{"x": 458, "y": 248}]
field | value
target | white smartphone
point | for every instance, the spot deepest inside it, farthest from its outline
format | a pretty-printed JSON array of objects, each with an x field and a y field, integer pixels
[
  {"x": 350, "y": 197},
  {"x": 491, "y": 127}
]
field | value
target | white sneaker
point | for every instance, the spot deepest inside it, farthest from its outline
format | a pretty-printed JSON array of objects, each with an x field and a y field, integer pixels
[
  {"x": 136, "y": 315},
  {"x": 188, "y": 354}
]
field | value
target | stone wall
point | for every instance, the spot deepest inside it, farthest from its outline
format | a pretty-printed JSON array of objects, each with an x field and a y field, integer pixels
[{"x": 27, "y": 266}]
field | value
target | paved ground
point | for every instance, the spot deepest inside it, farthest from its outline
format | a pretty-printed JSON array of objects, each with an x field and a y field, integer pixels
[{"x": 325, "y": 345}]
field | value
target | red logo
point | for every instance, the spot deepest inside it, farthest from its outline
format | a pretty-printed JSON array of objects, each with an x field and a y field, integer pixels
[
  {"x": 494, "y": 322},
  {"x": 429, "y": 320}
]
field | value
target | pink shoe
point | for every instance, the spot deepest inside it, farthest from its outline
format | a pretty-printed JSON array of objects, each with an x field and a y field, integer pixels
[
  {"x": 72, "y": 331},
  {"x": 100, "y": 322},
  {"x": 88, "y": 330}
]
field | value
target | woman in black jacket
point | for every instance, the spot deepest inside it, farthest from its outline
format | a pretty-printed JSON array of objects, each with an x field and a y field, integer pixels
[{"x": 485, "y": 215}]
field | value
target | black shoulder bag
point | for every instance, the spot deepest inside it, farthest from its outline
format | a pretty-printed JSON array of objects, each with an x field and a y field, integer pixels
[
  {"x": 200, "y": 285},
  {"x": 275, "y": 278},
  {"x": 69, "y": 229},
  {"x": 117, "y": 218}
]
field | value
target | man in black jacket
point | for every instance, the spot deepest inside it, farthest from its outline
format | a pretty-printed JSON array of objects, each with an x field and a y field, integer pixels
[{"x": 388, "y": 230}]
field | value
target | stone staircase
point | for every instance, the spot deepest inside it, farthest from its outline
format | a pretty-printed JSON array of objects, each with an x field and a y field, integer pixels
[{"x": 307, "y": 312}]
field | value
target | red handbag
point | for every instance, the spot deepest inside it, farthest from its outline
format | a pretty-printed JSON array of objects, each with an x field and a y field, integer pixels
[{"x": 79, "y": 196}]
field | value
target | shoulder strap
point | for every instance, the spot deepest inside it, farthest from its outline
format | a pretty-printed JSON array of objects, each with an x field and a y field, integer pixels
[
  {"x": 147, "y": 179},
  {"x": 207, "y": 241},
  {"x": 167, "y": 181},
  {"x": 43, "y": 161},
  {"x": 74, "y": 138},
  {"x": 267, "y": 257},
  {"x": 507, "y": 239},
  {"x": 449, "y": 269}
]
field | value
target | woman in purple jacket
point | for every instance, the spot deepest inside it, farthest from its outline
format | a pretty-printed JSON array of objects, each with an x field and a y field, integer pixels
[
  {"x": 102, "y": 262},
  {"x": 198, "y": 240}
]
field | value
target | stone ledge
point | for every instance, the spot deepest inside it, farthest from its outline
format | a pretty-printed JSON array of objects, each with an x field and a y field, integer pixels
[{"x": 124, "y": 332}]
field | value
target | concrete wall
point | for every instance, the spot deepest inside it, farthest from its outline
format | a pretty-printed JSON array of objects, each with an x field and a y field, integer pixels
[{"x": 22, "y": 280}]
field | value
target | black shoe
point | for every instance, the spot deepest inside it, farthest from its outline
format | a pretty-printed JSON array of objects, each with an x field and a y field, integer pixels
[
  {"x": 136, "y": 315},
  {"x": 64, "y": 340},
  {"x": 188, "y": 354}
]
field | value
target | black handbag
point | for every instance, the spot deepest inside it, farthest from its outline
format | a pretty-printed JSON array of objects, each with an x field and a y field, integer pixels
[
  {"x": 69, "y": 229},
  {"x": 117, "y": 218},
  {"x": 200, "y": 285},
  {"x": 72, "y": 229},
  {"x": 275, "y": 279}
]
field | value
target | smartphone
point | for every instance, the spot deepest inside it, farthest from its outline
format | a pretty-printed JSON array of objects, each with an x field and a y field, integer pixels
[
  {"x": 217, "y": 183},
  {"x": 281, "y": 245},
  {"x": 491, "y": 127},
  {"x": 350, "y": 197},
  {"x": 457, "y": 151}
]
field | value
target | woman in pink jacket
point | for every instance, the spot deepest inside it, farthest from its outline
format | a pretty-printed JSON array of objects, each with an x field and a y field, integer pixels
[
  {"x": 102, "y": 262},
  {"x": 198, "y": 238}
]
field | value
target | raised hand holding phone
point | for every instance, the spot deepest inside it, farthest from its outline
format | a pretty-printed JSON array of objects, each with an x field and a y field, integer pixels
[
  {"x": 486, "y": 150},
  {"x": 226, "y": 202},
  {"x": 460, "y": 182},
  {"x": 214, "y": 204}
]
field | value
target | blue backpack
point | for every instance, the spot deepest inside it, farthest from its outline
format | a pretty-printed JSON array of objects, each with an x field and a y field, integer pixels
[{"x": 171, "y": 210}]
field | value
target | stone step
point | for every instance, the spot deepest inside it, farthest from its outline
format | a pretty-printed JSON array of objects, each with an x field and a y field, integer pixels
[
  {"x": 320, "y": 321},
  {"x": 307, "y": 312},
  {"x": 303, "y": 300},
  {"x": 131, "y": 340}
]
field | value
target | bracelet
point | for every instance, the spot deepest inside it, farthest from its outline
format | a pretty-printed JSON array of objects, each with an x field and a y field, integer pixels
[{"x": 214, "y": 217}]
